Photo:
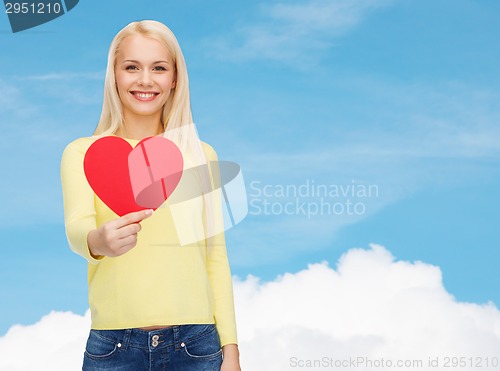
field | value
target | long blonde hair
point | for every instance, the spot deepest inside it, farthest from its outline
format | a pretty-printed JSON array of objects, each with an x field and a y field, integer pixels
[{"x": 176, "y": 118}]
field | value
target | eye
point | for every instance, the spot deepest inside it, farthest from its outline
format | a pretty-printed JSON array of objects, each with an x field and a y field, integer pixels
[
  {"x": 131, "y": 68},
  {"x": 159, "y": 68}
]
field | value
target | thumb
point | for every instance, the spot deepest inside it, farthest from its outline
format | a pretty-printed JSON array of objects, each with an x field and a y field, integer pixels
[{"x": 136, "y": 216}]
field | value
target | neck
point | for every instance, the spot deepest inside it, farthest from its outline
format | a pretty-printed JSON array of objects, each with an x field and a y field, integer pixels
[{"x": 139, "y": 127}]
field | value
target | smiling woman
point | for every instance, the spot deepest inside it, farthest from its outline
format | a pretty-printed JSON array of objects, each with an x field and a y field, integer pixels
[
  {"x": 153, "y": 301},
  {"x": 145, "y": 78}
]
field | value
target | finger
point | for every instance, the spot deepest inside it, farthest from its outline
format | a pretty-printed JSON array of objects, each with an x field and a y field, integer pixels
[
  {"x": 134, "y": 217},
  {"x": 127, "y": 244},
  {"x": 128, "y": 230}
]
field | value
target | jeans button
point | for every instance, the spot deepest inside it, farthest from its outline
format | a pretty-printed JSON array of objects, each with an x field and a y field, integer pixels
[{"x": 154, "y": 339}]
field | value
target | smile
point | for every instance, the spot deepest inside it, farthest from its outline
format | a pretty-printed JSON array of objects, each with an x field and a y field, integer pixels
[{"x": 144, "y": 96}]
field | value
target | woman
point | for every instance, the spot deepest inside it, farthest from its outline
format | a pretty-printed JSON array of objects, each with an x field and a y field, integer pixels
[{"x": 155, "y": 304}]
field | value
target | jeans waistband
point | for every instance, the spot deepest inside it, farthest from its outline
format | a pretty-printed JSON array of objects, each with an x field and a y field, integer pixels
[{"x": 172, "y": 336}]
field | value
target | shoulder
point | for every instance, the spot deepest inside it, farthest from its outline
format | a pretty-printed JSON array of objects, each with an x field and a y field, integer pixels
[
  {"x": 75, "y": 151},
  {"x": 79, "y": 145},
  {"x": 209, "y": 151}
]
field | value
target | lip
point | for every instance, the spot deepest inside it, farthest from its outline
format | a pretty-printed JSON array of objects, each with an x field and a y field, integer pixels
[{"x": 144, "y": 96}]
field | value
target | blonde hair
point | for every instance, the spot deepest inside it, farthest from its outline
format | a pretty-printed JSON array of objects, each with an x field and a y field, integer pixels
[{"x": 176, "y": 118}]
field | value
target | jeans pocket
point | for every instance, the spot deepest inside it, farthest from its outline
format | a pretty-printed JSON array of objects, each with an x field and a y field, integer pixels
[
  {"x": 206, "y": 346},
  {"x": 99, "y": 347}
]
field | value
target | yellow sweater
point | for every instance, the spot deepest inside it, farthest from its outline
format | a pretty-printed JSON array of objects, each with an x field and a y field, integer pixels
[{"x": 158, "y": 282}]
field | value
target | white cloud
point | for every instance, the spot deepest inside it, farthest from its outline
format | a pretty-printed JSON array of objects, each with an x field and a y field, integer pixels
[
  {"x": 370, "y": 306},
  {"x": 55, "y": 343},
  {"x": 294, "y": 33}
]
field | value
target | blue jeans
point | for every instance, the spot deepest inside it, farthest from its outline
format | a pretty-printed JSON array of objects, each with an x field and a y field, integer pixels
[{"x": 177, "y": 348}]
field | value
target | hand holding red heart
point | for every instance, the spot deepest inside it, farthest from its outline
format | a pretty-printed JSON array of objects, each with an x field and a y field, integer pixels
[
  {"x": 117, "y": 236},
  {"x": 128, "y": 180}
]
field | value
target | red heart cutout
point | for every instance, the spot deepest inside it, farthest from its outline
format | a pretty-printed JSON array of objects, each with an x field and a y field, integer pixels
[{"x": 130, "y": 179}]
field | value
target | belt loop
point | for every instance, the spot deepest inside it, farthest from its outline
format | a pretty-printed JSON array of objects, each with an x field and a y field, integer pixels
[
  {"x": 126, "y": 338},
  {"x": 177, "y": 339}
]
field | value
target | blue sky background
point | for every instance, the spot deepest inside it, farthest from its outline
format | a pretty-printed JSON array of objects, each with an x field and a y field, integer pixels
[{"x": 403, "y": 95}]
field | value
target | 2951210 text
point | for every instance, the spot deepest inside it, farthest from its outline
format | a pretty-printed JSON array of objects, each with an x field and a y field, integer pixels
[{"x": 33, "y": 8}]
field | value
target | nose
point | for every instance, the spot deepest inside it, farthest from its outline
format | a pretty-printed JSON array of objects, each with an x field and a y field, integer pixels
[{"x": 145, "y": 79}]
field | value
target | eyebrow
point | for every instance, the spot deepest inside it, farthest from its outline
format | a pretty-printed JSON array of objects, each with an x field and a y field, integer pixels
[{"x": 134, "y": 61}]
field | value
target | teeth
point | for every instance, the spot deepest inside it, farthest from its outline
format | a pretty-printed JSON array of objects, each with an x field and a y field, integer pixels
[{"x": 145, "y": 95}]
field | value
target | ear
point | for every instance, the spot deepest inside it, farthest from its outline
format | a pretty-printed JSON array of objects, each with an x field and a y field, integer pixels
[{"x": 174, "y": 82}]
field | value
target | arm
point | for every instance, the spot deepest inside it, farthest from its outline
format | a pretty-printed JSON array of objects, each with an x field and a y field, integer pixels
[
  {"x": 113, "y": 238},
  {"x": 219, "y": 274},
  {"x": 78, "y": 198},
  {"x": 231, "y": 358}
]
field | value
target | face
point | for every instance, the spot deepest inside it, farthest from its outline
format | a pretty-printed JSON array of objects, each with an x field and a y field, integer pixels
[{"x": 145, "y": 74}]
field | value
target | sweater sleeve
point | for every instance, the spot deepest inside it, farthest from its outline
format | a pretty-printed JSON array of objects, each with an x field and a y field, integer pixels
[
  {"x": 219, "y": 272},
  {"x": 78, "y": 198}
]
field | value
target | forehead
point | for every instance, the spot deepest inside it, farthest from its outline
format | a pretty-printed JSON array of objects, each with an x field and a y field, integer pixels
[{"x": 138, "y": 47}]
